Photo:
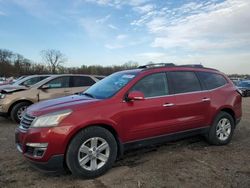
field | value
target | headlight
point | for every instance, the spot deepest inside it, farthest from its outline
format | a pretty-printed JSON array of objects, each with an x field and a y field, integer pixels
[
  {"x": 2, "y": 96},
  {"x": 51, "y": 120}
]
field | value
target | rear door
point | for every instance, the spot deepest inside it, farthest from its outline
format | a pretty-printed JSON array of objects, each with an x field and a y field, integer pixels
[
  {"x": 191, "y": 101},
  {"x": 79, "y": 84},
  {"x": 56, "y": 88}
]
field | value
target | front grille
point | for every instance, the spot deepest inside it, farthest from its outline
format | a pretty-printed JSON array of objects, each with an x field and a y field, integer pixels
[{"x": 26, "y": 121}]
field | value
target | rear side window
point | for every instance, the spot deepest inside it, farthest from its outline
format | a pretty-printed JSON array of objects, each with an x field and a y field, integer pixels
[
  {"x": 211, "y": 80},
  {"x": 153, "y": 85},
  {"x": 82, "y": 81},
  {"x": 183, "y": 82},
  {"x": 61, "y": 82}
]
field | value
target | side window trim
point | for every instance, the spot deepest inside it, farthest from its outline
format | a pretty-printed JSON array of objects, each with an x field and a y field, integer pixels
[
  {"x": 54, "y": 79},
  {"x": 172, "y": 91},
  {"x": 205, "y": 86},
  {"x": 167, "y": 86}
]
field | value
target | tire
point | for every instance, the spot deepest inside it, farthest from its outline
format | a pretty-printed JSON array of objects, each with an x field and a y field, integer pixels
[
  {"x": 222, "y": 130},
  {"x": 82, "y": 149},
  {"x": 15, "y": 112}
]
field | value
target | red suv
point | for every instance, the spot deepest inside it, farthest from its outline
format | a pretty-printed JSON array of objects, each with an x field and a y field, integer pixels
[{"x": 154, "y": 103}]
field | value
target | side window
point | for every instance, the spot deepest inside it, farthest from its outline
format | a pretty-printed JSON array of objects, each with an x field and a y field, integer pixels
[
  {"x": 153, "y": 85},
  {"x": 81, "y": 81},
  {"x": 211, "y": 80},
  {"x": 33, "y": 81},
  {"x": 184, "y": 82},
  {"x": 61, "y": 82}
]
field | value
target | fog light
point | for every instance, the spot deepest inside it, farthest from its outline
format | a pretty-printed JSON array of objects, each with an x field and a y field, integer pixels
[{"x": 36, "y": 149}]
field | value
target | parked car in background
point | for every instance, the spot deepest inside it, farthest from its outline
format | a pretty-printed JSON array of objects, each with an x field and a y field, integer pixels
[
  {"x": 244, "y": 87},
  {"x": 13, "y": 102},
  {"x": 23, "y": 83},
  {"x": 87, "y": 132}
]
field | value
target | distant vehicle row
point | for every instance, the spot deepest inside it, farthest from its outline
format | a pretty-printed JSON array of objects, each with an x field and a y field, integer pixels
[{"x": 16, "y": 97}]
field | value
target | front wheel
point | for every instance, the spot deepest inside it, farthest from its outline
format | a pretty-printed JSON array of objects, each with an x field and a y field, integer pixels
[
  {"x": 18, "y": 110},
  {"x": 91, "y": 152},
  {"x": 221, "y": 131}
]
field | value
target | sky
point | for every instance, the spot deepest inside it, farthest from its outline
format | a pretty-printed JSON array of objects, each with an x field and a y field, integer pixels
[{"x": 214, "y": 33}]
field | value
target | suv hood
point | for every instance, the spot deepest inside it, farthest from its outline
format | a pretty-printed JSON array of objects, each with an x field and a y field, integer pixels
[
  {"x": 63, "y": 103},
  {"x": 12, "y": 88}
]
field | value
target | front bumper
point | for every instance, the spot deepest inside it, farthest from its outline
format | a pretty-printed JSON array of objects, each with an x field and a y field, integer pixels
[
  {"x": 54, "y": 164},
  {"x": 44, "y": 148}
]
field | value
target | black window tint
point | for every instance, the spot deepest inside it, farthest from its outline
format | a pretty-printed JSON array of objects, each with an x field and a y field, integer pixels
[
  {"x": 211, "y": 80},
  {"x": 33, "y": 81},
  {"x": 81, "y": 81},
  {"x": 152, "y": 85},
  {"x": 183, "y": 82},
  {"x": 61, "y": 82}
]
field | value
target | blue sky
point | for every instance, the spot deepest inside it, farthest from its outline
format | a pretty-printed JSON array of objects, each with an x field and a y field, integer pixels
[{"x": 215, "y": 33}]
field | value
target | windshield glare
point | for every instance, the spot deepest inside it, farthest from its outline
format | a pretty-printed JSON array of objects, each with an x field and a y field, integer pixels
[{"x": 110, "y": 85}]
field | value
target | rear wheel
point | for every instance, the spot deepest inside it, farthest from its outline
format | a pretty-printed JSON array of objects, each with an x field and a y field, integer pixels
[
  {"x": 18, "y": 110},
  {"x": 222, "y": 129},
  {"x": 91, "y": 152}
]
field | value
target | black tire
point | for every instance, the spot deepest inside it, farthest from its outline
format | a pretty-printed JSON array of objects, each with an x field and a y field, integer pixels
[
  {"x": 82, "y": 137},
  {"x": 16, "y": 108},
  {"x": 212, "y": 137}
]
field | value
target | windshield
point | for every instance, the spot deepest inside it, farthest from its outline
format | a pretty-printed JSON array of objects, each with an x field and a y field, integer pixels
[
  {"x": 244, "y": 84},
  {"x": 110, "y": 85}
]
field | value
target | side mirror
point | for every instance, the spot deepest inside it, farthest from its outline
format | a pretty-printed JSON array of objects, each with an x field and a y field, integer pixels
[
  {"x": 135, "y": 95},
  {"x": 45, "y": 87}
]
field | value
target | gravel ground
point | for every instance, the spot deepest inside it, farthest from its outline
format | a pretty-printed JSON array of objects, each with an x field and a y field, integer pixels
[{"x": 186, "y": 163}]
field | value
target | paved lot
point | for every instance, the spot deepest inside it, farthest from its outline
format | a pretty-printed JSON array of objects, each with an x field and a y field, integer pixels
[{"x": 186, "y": 163}]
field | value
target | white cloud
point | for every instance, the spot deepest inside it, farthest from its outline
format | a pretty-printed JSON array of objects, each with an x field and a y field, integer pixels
[
  {"x": 150, "y": 56},
  {"x": 113, "y": 27},
  {"x": 116, "y": 3},
  {"x": 121, "y": 37},
  {"x": 214, "y": 27},
  {"x": 114, "y": 46},
  {"x": 229, "y": 63},
  {"x": 103, "y": 20},
  {"x": 144, "y": 8}
]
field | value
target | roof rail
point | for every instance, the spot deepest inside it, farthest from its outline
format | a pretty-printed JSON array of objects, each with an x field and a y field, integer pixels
[
  {"x": 192, "y": 65},
  {"x": 155, "y": 65}
]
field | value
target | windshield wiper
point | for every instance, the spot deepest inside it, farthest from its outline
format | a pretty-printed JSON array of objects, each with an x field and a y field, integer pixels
[{"x": 89, "y": 95}]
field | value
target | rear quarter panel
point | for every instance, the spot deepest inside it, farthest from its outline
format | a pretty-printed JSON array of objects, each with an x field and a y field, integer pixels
[{"x": 226, "y": 97}]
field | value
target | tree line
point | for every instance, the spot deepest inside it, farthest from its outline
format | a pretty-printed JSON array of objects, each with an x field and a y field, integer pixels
[{"x": 15, "y": 64}]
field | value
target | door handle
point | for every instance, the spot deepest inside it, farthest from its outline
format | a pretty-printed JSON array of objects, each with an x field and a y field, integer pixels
[
  {"x": 168, "y": 105},
  {"x": 206, "y": 99}
]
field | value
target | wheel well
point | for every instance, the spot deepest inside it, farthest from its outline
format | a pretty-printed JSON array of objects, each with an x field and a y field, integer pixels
[
  {"x": 10, "y": 108},
  {"x": 229, "y": 111},
  {"x": 111, "y": 130}
]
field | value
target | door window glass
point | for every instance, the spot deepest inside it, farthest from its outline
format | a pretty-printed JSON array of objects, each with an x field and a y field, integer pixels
[
  {"x": 211, "y": 80},
  {"x": 61, "y": 82},
  {"x": 184, "y": 82},
  {"x": 153, "y": 85},
  {"x": 82, "y": 81}
]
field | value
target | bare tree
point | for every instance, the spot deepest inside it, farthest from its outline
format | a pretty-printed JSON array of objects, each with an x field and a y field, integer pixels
[{"x": 53, "y": 58}]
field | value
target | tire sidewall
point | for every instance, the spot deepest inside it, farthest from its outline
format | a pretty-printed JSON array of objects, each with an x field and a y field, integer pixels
[
  {"x": 15, "y": 109},
  {"x": 212, "y": 133},
  {"x": 78, "y": 140}
]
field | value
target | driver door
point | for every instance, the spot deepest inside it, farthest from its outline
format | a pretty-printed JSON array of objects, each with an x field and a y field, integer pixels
[{"x": 56, "y": 88}]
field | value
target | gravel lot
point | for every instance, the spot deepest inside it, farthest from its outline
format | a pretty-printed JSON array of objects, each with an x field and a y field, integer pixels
[{"x": 186, "y": 163}]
